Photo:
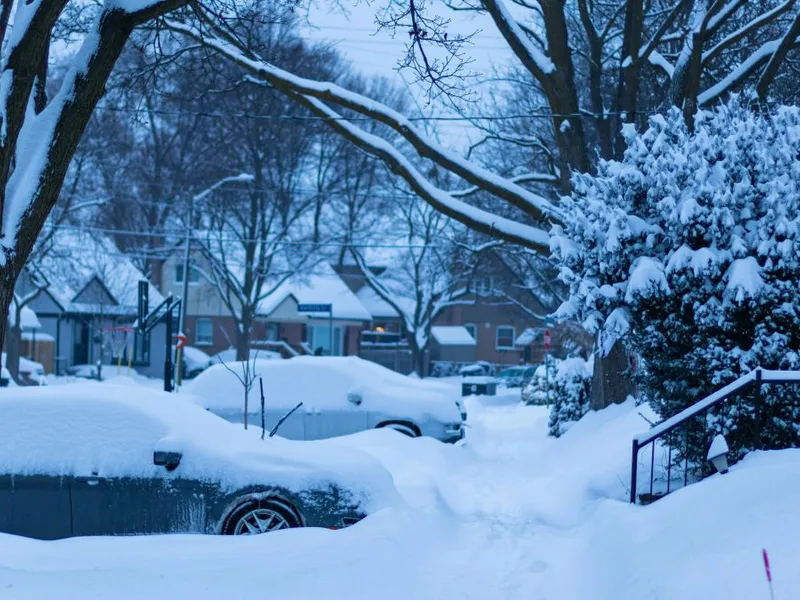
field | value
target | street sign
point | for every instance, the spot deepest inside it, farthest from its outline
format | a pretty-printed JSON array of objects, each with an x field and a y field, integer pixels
[
  {"x": 547, "y": 340},
  {"x": 548, "y": 321},
  {"x": 315, "y": 308}
]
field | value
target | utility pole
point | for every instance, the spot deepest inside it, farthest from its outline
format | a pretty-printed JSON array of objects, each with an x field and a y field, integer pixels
[{"x": 185, "y": 297}]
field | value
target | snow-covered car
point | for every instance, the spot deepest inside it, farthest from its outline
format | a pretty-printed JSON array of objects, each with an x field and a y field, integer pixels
[
  {"x": 30, "y": 371},
  {"x": 340, "y": 396},
  {"x": 229, "y": 355},
  {"x": 195, "y": 361},
  {"x": 515, "y": 377},
  {"x": 478, "y": 369},
  {"x": 87, "y": 459}
]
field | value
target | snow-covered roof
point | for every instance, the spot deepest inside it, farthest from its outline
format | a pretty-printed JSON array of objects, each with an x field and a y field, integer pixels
[
  {"x": 322, "y": 286},
  {"x": 527, "y": 337},
  {"x": 456, "y": 335},
  {"x": 377, "y": 306},
  {"x": 28, "y": 318},
  {"x": 79, "y": 261}
]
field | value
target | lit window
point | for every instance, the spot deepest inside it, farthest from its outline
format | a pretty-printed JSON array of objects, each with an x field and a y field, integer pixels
[{"x": 505, "y": 338}]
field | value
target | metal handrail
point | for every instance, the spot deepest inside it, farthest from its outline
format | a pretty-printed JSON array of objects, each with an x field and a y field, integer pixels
[{"x": 757, "y": 377}]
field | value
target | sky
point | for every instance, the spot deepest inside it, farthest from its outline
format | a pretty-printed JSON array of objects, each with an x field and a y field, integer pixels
[{"x": 375, "y": 52}]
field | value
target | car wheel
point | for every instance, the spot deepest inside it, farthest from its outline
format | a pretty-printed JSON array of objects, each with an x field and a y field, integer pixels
[
  {"x": 402, "y": 428},
  {"x": 264, "y": 516}
]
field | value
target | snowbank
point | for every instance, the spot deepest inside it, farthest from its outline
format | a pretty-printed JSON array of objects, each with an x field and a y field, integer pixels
[{"x": 513, "y": 515}]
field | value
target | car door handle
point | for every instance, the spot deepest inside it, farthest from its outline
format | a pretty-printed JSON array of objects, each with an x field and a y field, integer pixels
[{"x": 90, "y": 479}]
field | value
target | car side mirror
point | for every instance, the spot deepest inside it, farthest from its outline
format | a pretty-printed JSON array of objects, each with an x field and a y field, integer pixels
[
  {"x": 355, "y": 398},
  {"x": 167, "y": 459}
]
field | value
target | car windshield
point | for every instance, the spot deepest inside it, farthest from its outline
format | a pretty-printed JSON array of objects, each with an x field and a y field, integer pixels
[{"x": 512, "y": 372}]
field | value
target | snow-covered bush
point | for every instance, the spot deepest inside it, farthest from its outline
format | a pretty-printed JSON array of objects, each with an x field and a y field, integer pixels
[
  {"x": 688, "y": 250},
  {"x": 535, "y": 391},
  {"x": 570, "y": 393}
]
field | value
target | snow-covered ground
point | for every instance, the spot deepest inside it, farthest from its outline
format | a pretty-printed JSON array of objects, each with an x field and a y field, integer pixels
[{"x": 511, "y": 514}]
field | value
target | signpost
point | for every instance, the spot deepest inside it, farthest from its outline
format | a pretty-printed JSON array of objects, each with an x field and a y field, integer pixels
[
  {"x": 548, "y": 322},
  {"x": 148, "y": 319},
  {"x": 321, "y": 308}
]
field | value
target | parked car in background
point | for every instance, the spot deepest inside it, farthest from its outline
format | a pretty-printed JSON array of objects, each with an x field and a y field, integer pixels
[
  {"x": 229, "y": 355},
  {"x": 87, "y": 459},
  {"x": 195, "y": 361},
  {"x": 516, "y": 377},
  {"x": 478, "y": 369},
  {"x": 30, "y": 372},
  {"x": 340, "y": 396}
]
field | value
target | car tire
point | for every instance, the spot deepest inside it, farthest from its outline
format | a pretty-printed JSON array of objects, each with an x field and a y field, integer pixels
[
  {"x": 262, "y": 516},
  {"x": 403, "y": 428}
]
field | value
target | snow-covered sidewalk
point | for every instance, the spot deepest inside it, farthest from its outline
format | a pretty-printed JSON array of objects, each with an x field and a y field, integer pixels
[{"x": 513, "y": 514}]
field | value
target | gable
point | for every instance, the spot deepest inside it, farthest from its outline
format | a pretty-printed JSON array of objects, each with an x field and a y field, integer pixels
[{"x": 95, "y": 292}]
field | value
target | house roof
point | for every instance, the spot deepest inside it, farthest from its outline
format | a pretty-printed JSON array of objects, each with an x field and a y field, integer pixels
[
  {"x": 377, "y": 306},
  {"x": 78, "y": 259},
  {"x": 456, "y": 335},
  {"x": 527, "y": 337},
  {"x": 28, "y": 319},
  {"x": 322, "y": 286}
]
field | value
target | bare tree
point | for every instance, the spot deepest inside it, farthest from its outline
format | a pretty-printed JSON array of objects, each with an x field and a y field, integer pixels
[
  {"x": 41, "y": 134},
  {"x": 427, "y": 273}
]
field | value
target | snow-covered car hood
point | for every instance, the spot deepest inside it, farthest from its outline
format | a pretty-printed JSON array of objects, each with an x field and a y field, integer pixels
[{"x": 114, "y": 430}]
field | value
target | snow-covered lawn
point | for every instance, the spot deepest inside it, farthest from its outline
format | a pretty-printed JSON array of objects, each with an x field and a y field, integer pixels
[{"x": 511, "y": 514}]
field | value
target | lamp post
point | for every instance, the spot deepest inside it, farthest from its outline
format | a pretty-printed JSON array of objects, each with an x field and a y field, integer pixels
[{"x": 718, "y": 454}]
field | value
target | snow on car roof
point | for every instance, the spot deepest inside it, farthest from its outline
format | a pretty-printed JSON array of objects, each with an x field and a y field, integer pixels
[
  {"x": 324, "y": 382},
  {"x": 86, "y": 428},
  {"x": 456, "y": 335}
]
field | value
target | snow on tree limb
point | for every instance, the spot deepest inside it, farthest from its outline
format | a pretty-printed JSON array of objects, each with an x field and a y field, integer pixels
[
  {"x": 777, "y": 58},
  {"x": 750, "y": 27},
  {"x": 529, "y": 202},
  {"x": 534, "y": 59},
  {"x": 309, "y": 94}
]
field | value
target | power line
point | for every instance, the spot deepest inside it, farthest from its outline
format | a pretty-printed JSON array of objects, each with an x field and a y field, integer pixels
[
  {"x": 445, "y": 119},
  {"x": 181, "y": 234}
]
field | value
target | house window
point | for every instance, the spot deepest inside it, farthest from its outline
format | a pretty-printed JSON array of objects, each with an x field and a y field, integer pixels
[
  {"x": 505, "y": 338},
  {"x": 273, "y": 332},
  {"x": 204, "y": 332},
  {"x": 484, "y": 286},
  {"x": 473, "y": 330},
  {"x": 194, "y": 274}
]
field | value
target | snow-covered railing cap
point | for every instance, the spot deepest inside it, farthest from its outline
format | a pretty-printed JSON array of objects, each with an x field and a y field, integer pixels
[{"x": 767, "y": 376}]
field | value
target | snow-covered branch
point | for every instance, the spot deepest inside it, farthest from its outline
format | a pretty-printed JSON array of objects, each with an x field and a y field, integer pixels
[{"x": 265, "y": 72}]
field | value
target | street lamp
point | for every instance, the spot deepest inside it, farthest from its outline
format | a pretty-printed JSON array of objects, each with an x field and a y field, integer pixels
[{"x": 718, "y": 453}]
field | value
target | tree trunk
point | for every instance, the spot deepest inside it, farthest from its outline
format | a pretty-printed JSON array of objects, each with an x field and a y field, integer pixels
[
  {"x": 13, "y": 340},
  {"x": 243, "y": 337},
  {"x": 7, "y": 282},
  {"x": 611, "y": 382}
]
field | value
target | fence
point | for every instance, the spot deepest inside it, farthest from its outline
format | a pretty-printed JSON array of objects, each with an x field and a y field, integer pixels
[{"x": 689, "y": 419}]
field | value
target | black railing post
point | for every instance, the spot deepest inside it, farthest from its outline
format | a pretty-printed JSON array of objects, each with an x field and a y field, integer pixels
[
  {"x": 634, "y": 464},
  {"x": 759, "y": 411}
]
